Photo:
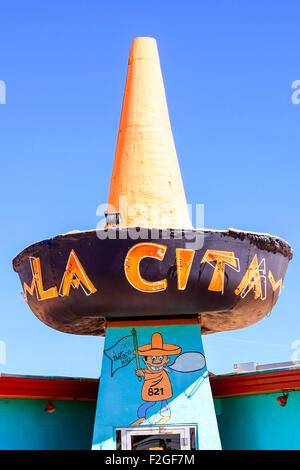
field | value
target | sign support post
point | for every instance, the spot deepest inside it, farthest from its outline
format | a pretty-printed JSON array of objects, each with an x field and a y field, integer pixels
[{"x": 171, "y": 406}]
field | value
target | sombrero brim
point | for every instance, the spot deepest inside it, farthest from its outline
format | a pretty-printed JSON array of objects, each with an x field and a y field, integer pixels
[{"x": 167, "y": 350}]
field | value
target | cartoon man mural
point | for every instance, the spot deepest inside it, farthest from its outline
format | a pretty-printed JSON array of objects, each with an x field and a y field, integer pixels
[{"x": 157, "y": 386}]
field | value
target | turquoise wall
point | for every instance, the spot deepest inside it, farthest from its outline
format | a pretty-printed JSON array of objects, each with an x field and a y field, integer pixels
[
  {"x": 24, "y": 424},
  {"x": 259, "y": 422},
  {"x": 248, "y": 422}
]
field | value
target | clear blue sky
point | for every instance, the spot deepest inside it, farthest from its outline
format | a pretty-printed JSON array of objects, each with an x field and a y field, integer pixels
[{"x": 228, "y": 67}]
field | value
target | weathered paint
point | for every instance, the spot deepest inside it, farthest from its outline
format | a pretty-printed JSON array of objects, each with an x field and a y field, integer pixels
[
  {"x": 185, "y": 384},
  {"x": 146, "y": 186},
  {"x": 70, "y": 281}
]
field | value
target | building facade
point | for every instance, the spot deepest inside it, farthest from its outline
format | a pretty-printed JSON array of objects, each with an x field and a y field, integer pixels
[{"x": 256, "y": 410}]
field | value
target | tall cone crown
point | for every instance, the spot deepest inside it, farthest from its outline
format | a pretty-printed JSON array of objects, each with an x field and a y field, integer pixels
[
  {"x": 157, "y": 341},
  {"x": 146, "y": 186}
]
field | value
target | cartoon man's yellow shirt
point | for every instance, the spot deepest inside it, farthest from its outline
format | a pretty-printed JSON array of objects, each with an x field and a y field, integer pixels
[{"x": 157, "y": 386}]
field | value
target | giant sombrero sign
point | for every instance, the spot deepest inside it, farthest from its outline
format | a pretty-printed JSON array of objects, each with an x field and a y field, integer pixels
[{"x": 75, "y": 282}]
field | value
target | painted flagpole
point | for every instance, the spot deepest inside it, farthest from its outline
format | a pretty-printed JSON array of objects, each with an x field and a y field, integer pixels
[{"x": 136, "y": 350}]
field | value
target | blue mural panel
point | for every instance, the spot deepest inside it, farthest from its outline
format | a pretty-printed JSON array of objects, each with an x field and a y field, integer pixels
[{"x": 157, "y": 376}]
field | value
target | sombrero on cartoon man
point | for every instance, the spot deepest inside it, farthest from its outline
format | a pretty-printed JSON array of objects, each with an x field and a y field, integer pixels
[
  {"x": 158, "y": 347},
  {"x": 157, "y": 385}
]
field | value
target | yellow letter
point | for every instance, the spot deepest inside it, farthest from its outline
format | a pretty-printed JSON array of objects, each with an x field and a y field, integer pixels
[
  {"x": 37, "y": 275},
  {"x": 253, "y": 280},
  {"x": 222, "y": 258},
  {"x": 28, "y": 289},
  {"x": 275, "y": 284},
  {"x": 184, "y": 259},
  {"x": 75, "y": 276},
  {"x": 132, "y": 266}
]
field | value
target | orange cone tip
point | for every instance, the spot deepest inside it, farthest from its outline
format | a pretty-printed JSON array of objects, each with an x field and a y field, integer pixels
[{"x": 146, "y": 187}]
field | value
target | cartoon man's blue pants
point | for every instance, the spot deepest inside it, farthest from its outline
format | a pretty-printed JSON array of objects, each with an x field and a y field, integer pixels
[{"x": 164, "y": 408}]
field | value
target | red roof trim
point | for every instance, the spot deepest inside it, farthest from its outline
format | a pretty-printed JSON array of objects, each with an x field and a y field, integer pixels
[
  {"x": 22, "y": 387},
  {"x": 254, "y": 384},
  {"x": 87, "y": 390}
]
